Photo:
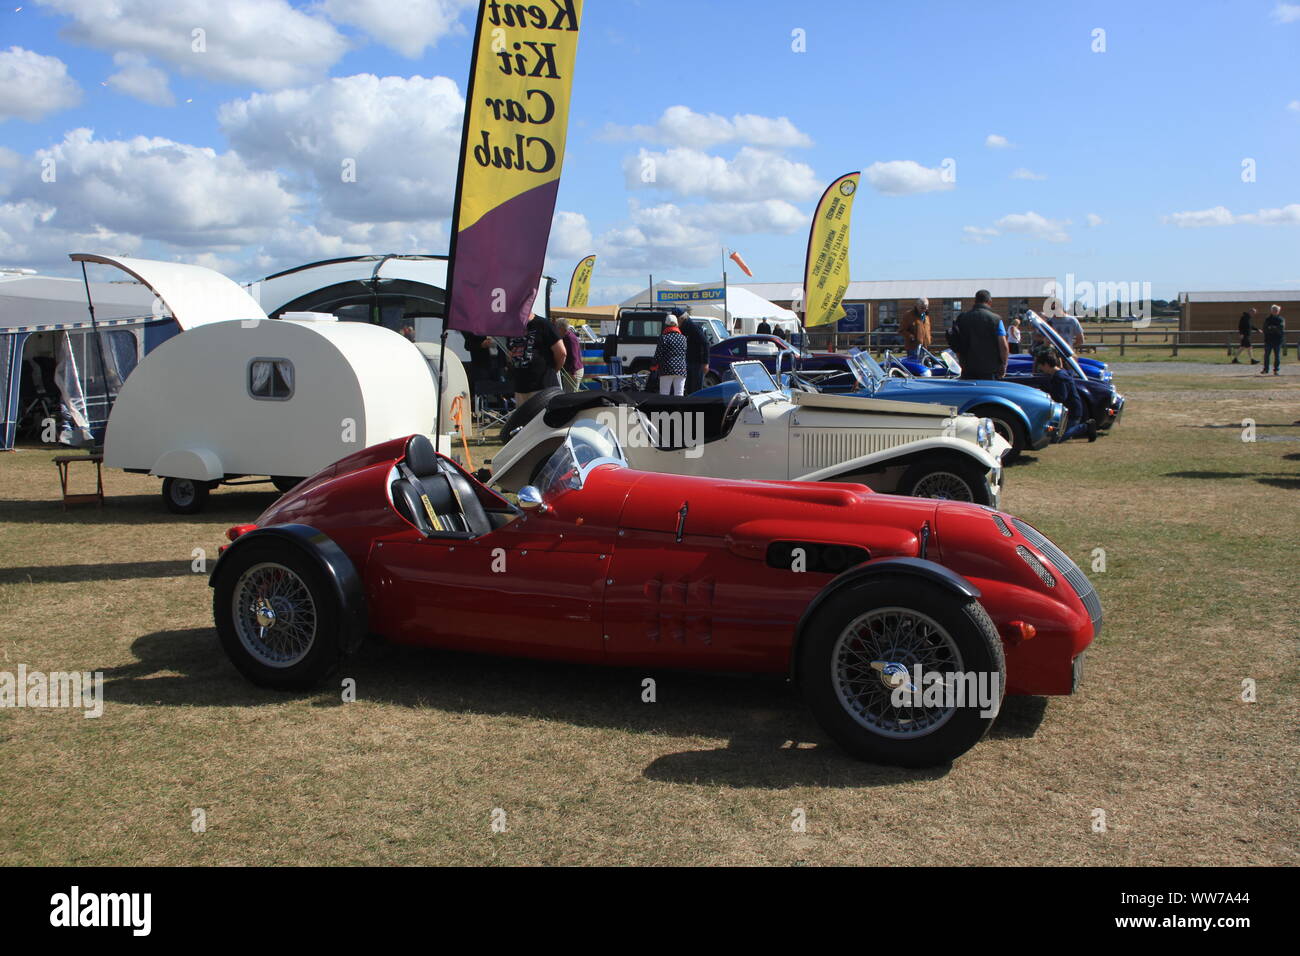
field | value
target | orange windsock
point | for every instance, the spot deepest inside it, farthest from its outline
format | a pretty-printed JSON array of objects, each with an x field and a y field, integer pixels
[{"x": 735, "y": 257}]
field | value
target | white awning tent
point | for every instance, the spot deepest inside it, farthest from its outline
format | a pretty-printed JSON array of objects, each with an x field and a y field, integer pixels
[
  {"x": 707, "y": 299},
  {"x": 195, "y": 295},
  {"x": 52, "y": 357}
]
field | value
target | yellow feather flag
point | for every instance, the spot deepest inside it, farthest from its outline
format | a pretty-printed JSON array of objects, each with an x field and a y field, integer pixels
[
  {"x": 580, "y": 284},
  {"x": 826, "y": 268}
]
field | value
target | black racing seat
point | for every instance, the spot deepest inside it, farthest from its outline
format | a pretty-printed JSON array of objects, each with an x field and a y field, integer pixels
[{"x": 451, "y": 495}]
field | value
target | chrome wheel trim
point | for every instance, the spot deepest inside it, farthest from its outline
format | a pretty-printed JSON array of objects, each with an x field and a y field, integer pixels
[
  {"x": 947, "y": 485},
  {"x": 1004, "y": 429},
  {"x": 865, "y": 662},
  {"x": 274, "y": 615}
]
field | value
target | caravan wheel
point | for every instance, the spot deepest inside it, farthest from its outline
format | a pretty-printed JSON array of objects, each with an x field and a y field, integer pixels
[{"x": 184, "y": 496}]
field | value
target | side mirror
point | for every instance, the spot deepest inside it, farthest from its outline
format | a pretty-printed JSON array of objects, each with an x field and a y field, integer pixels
[{"x": 530, "y": 499}]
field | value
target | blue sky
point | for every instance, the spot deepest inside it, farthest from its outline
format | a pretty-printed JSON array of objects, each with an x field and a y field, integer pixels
[{"x": 1115, "y": 164}]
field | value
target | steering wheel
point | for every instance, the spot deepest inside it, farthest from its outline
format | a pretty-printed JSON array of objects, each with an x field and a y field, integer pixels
[{"x": 733, "y": 410}]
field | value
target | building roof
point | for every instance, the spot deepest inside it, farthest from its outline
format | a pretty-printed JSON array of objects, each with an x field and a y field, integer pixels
[
  {"x": 1288, "y": 295},
  {"x": 1023, "y": 288}
]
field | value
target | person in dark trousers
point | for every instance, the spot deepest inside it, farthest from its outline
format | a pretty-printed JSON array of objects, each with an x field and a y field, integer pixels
[
  {"x": 980, "y": 340},
  {"x": 697, "y": 353},
  {"x": 1245, "y": 326},
  {"x": 1062, "y": 388},
  {"x": 537, "y": 357},
  {"x": 1274, "y": 334}
]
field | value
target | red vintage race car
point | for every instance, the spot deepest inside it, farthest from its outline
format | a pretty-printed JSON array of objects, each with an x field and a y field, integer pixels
[{"x": 903, "y": 620}]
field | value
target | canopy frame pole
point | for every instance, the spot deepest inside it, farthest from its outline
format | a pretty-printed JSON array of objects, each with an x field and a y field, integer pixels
[{"x": 99, "y": 345}]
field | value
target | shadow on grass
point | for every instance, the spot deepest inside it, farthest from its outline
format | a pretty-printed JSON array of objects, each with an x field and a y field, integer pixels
[
  {"x": 64, "y": 573},
  {"x": 1274, "y": 480},
  {"x": 136, "y": 509},
  {"x": 762, "y": 718},
  {"x": 1021, "y": 461}
]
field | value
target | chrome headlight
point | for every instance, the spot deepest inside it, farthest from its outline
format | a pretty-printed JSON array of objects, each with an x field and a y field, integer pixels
[{"x": 984, "y": 433}]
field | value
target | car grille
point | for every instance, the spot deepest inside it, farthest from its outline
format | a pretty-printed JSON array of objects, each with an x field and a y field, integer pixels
[
  {"x": 1077, "y": 579},
  {"x": 825, "y": 447}
]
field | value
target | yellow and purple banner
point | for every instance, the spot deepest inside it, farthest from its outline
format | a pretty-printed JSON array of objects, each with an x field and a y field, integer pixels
[
  {"x": 516, "y": 122},
  {"x": 580, "y": 284},
  {"x": 826, "y": 268}
]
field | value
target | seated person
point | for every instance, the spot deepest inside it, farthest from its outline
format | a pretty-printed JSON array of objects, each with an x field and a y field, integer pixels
[{"x": 1062, "y": 388}]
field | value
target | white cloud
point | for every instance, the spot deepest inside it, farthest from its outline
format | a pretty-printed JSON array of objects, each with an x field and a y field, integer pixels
[
  {"x": 407, "y": 26},
  {"x": 28, "y": 238},
  {"x": 1222, "y": 216},
  {"x": 682, "y": 126},
  {"x": 978, "y": 234},
  {"x": 570, "y": 237},
  {"x": 994, "y": 141},
  {"x": 1294, "y": 106},
  {"x": 753, "y": 173},
  {"x": 657, "y": 237},
  {"x": 902, "y": 177},
  {"x": 156, "y": 188},
  {"x": 267, "y": 44},
  {"x": 1286, "y": 12},
  {"x": 1094, "y": 219},
  {"x": 32, "y": 86},
  {"x": 737, "y": 218},
  {"x": 402, "y": 134},
  {"x": 138, "y": 79},
  {"x": 1023, "y": 173},
  {"x": 1034, "y": 226}
]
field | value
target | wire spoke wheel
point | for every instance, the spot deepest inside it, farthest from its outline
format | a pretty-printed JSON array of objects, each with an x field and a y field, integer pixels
[
  {"x": 274, "y": 615},
  {"x": 878, "y": 652},
  {"x": 943, "y": 484}
]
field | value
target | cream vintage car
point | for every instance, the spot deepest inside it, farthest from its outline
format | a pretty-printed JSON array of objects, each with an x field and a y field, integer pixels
[{"x": 906, "y": 448}]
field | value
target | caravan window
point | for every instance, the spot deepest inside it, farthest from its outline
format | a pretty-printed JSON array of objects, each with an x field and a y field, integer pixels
[{"x": 270, "y": 379}]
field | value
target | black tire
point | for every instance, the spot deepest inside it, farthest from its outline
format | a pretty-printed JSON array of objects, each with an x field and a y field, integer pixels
[
  {"x": 929, "y": 477},
  {"x": 184, "y": 496},
  {"x": 1008, "y": 427},
  {"x": 711, "y": 379},
  {"x": 966, "y": 624},
  {"x": 323, "y": 649},
  {"x": 284, "y": 484},
  {"x": 526, "y": 412}
]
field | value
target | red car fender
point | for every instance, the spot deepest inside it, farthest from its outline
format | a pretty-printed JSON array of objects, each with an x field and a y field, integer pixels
[
  {"x": 329, "y": 558},
  {"x": 912, "y": 567}
]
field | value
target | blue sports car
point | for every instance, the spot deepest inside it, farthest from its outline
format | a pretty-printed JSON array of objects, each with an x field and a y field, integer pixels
[{"x": 1024, "y": 416}]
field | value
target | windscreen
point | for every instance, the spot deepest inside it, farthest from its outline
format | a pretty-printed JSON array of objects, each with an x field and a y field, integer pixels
[{"x": 753, "y": 377}]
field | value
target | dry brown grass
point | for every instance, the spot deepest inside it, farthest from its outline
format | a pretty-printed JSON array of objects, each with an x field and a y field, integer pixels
[{"x": 1199, "y": 530}]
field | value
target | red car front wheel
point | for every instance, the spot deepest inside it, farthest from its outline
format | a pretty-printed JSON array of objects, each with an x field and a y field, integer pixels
[{"x": 898, "y": 670}]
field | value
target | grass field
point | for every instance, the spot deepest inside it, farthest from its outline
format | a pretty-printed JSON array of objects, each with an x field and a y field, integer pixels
[{"x": 1199, "y": 531}]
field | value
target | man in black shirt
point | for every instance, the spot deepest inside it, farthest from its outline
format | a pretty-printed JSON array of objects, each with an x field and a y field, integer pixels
[
  {"x": 764, "y": 328},
  {"x": 980, "y": 340},
  {"x": 697, "y": 353},
  {"x": 1246, "y": 325},
  {"x": 537, "y": 356}
]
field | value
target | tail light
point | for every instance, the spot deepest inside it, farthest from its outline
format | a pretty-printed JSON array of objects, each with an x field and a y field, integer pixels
[{"x": 239, "y": 529}]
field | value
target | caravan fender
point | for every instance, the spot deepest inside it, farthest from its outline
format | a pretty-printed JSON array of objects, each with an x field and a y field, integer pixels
[{"x": 197, "y": 464}]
